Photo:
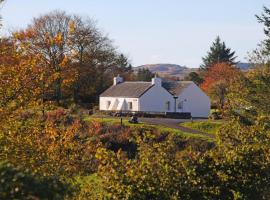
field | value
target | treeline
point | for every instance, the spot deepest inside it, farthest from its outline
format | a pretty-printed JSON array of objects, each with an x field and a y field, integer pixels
[{"x": 71, "y": 59}]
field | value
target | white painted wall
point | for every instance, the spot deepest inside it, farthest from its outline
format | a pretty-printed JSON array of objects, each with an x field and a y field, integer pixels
[
  {"x": 116, "y": 102},
  {"x": 154, "y": 100},
  {"x": 194, "y": 101}
]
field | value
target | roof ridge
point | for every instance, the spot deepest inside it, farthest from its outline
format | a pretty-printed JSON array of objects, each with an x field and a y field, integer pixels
[{"x": 136, "y": 82}]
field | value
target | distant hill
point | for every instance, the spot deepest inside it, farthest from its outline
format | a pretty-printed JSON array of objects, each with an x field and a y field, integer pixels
[
  {"x": 168, "y": 69},
  {"x": 179, "y": 71},
  {"x": 244, "y": 66}
]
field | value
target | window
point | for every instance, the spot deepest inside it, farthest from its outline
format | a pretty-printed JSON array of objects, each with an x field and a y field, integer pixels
[
  {"x": 108, "y": 104},
  {"x": 130, "y": 105},
  {"x": 168, "y": 105},
  {"x": 180, "y": 105}
]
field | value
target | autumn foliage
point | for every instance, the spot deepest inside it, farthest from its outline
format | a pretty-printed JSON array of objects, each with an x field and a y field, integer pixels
[
  {"x": 220, "y": 72},
  {"x": 217, "y": 81},
  {"x": 53, "y": 150}
]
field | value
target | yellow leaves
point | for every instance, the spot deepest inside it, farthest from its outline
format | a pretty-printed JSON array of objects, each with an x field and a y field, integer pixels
[
  {"x": 41, "y": 77},
  {"x": 58, "y": 39},
  {"x": 100, "y": 153},
  {"x": 16, "y": 35},
  {"x": 72, "y": 26},
  {"x": 55, "y": 76}
]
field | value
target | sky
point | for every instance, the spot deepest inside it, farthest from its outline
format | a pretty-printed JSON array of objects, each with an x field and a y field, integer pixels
[{"x": 157, "y": 31}]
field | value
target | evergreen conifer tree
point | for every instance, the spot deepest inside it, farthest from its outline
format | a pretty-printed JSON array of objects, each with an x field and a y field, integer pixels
[{"x": 218, "y": 53}]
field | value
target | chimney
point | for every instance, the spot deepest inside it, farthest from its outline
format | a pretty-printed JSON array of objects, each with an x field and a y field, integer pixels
[
  {"x": 156, "y": 81},
  {"x": 117, "y": 80}
]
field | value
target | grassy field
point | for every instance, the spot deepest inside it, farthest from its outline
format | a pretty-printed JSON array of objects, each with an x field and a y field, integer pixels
[
  {"x": 146, "y": 126},
  {"x": 210, "y": 126}
]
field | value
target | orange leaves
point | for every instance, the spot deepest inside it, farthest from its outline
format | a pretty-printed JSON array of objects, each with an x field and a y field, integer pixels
[
  {"x": 19, "y": 76},
  {"x": 58, "y": 39},
  {"x": 220, "y": 72},
  {"x": 217, "y": 82},
  {"x": 65, "y": 61}
]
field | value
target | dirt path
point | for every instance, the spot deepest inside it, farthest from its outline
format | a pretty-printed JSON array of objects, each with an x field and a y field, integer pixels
[{"x": 173, "y": 123}]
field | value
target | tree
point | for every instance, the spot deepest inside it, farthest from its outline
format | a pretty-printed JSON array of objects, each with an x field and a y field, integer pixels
[
  {"x": 48, "y": 37},
  {"x": 17, "y": 183},
  {"x": 144, "y": 74},
  {"x": 20, "y": 79},
  {"x": 265, "y": 19},
  {"x": 94, "y": 59},
  {"x": 251, "y": 102},
  {"x": 195, "y": 77},
  {"x": 218, "y": 53},
  {"x": 123, "y": 63},
  {"x": 77, "y": 60},
  {"x": 249, "y": 95},
  {"x": 217, "y": 81}
]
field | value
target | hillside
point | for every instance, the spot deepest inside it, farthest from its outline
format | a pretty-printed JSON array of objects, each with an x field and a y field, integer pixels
[
  {"x": 168, "y": 69},
  {"x": 179, "y": 71},
  {"x": 244, "y": 66}
]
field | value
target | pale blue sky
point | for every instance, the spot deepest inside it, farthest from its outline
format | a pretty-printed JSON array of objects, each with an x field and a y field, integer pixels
[{"x": 157, "y": 31}]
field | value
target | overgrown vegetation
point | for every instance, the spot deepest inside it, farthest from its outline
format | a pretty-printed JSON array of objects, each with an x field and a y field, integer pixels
[{"x": 50, "y": 150}]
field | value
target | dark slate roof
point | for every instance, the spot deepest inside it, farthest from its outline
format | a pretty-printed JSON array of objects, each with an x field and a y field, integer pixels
[
  {"x": 127, "y": 89},
  {"x": 176, "y": 87}
]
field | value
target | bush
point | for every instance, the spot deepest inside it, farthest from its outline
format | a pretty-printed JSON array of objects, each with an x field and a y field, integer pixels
[
  {"x": 20, "y": 184},
  {"x": 215, "y": 115},
  {"x": 237, "y": 168}
]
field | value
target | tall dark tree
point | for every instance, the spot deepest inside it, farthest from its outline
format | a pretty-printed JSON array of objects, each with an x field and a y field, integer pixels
[
  {"x": 218, "y": 53},
  {"x": 123, "y": 63}
]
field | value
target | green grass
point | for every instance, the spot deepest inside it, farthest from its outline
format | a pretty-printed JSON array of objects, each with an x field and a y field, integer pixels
[
  {"x": 146, "y": 126},
  {"x": 210, "y": 127}
]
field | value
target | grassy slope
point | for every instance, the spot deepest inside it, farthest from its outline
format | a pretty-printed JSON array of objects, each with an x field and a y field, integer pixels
[{"x": 209, "y": 126}]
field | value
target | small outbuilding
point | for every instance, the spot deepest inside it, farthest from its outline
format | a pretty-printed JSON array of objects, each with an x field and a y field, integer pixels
[{"x": 156, "y": 96}]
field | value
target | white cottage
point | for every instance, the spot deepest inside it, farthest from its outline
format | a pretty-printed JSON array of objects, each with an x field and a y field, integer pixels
[{"x": 155, "y": 97}]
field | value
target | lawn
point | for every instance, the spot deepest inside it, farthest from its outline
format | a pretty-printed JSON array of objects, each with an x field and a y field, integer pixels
[{"x": 209, "y": 126}]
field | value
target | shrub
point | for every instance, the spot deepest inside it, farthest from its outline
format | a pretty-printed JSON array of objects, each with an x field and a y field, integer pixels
[
  {"x": 237, "y": 168},
  {"x": 215, "y": 115},
  {"x": 20, "y": 184}
]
